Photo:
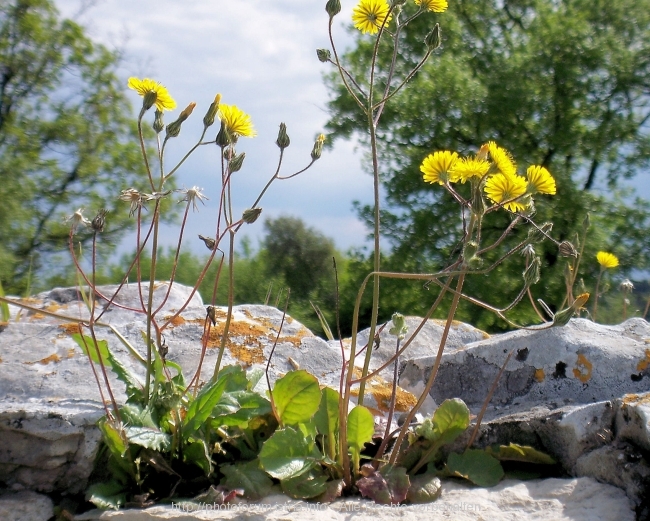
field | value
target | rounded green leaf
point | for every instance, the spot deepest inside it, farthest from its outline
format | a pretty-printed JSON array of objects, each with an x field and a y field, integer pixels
[
  {"x": 286, "y": 454},
  {"x": 361, "y": 427},
  {"x": 327, "y": 417},
  {"x": 450, "y": 420},
  {"x": 296, "y": 396},
  {"x": 477, "y": 466}
]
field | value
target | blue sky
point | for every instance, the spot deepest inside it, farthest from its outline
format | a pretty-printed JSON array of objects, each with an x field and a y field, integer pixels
[{"x": 261, "y": 57}]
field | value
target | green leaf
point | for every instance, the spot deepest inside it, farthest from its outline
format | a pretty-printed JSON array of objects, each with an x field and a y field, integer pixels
[
  {"x": 249, "y": 477},
  {"x": 134, "y": 415},
  {"x": 296, "y": 396},
  {"x": 201, "y": 407},
  {"x": 287, "y": 454},
  {"x": 89, "y": 348},
  {"x": 514, "y": 452},
  {"x": 149, "y": 438},
  {"x": 198, "y": 454},
  {"x": 308, "y": 485},
  {"x": 388, "y": 485},
  {"x": 477, "y": 466},
  {"x": 250, "y": 405},
  {"x": 327, "y": 416},
  {"x": 450, "y": 420},
  {"x": 424, "y": 488},
  {"x": 114, "y": 437},
  {"x": 110, "y": 494},
  {"x": 361, "y": 427}
]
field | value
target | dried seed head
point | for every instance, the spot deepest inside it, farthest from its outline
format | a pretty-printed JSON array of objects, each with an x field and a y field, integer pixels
[
  {"x": 98, "y": 222},
  {"x": 209, "y": 242}
]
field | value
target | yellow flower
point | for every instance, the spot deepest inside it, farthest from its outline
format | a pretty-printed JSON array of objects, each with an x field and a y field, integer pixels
[
  {"x": 469, "y": 167},
  {"x": 370, "y": 15},
  {"x": 237, "y": 122},
  {"x": 502, "y": 159},
  {"x": 607, "y": 260},
  {"x": 500, "y": 188},
  {"x": 437, "y": 6},
  {"x": 162, "y": 100},
  {"x": 540, "y": 180},
  {"x": 437, "y": 167}
]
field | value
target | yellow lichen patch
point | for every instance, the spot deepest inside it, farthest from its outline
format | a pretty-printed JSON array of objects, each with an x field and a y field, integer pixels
[
  {"x": 71, "y": 352},
  {"x": 54, "y": 307},
  {"x": 251, "y": 351},
  {"x": 633, "y": 399},
  {"x": 37, "y": 316},
  {"x": 539, "y": 375},
  {"x": 643, "y": 364},
  {"x": 70, "y": 328},
  {"x": 582, "y": 370},
  {"x": 381, "y": 391},
  {"x": 47, "y": 360},
  {"x": 218, "y": 314},
  {"x": 176, "y": 321},
  {"x": 296, "y": 339}
]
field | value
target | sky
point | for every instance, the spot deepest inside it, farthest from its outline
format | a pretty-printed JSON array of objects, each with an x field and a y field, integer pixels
[{"x": 261, "y": 56}]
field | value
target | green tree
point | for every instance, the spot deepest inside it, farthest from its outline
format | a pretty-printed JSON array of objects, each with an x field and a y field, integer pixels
[
  {"x": 67, "y": 137},
  {"x": 564, "y": 84}
]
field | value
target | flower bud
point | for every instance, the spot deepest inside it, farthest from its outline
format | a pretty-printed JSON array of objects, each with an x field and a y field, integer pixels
[
  {"x": 475, "y": 262},
  {"x": 567, "y": 250},
  {"x": 562, "y": 318},
  {"x": 158, "y": 124},
  {"x": 531, "y": 273},
  {"x": 318, "y": 147},
  {"x": 210, "y": 243},
  {"x": 236, "y": 162},
  {"x": 433, "y": 39},
  {"x": 333, "y": 7},
  {"x": 283, "y": 140},
  {"x": 324, "y": 55},
  {"x": 399, "y": 328},
  {"x": 212, "y": 314},
  {"x": 470, "y": 249},
  {"x": 251, "y": 215},
  {"x": 211, "y": 114},
  {"x": 173, "y": 129}
]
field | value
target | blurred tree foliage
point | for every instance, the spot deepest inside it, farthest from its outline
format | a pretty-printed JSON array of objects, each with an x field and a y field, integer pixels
[
  {"x": 564, "y": 84},
  {"x": 67, "y": 138}
]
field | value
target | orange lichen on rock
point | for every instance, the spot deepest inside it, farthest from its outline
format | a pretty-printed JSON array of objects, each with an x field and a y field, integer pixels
[
  {"x": 176, "y": 321},
  {"x": 643, "y": 364},
  {"x": 582, "y": 370},
  {"x": 633, "y": 399},
  {"x": 47, "y": 360},
  {"x": 539, "y": 375},
  {"x": 381, "y": 390},
  {"x": 250, "y": 350},
  {"x": 70, "y": 328},
  {"x": 296, "y": 339}
]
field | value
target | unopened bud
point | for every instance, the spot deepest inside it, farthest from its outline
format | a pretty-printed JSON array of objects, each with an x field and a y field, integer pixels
[
  {"x": 251, "y": 215},
  {"x": 211, "y": 312},
  {"x": 333, "y": 7},
  {"x": 478, "y": 202},
  {"x": 539, "y": 234},
  {"x": 399, "y": 328},
  {"x": 98, "y": 222},
  {"x": 283, "y": 140},
  {"x": 187, "y": 111},
  {"x": 173, "y": 129},
  {"x": 236, "y": 162},
  {"x": 158, "y": 123},
  {"x": 433, "y": 39},
  {"x": 482, "y": 153},
  {"x": 318, "y": 147},
  {"x": 567, "y": 250},
  {"x": 562, "y": 317},
  {"x": 324, "y": 55},
  {"x": 531, "y": 273},
  {"x": 211, "y": 114},
  {"x": 210, "y": 243}
]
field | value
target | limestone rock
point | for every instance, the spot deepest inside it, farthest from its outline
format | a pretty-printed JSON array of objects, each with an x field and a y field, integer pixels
[{"x": 25, "y": 506}]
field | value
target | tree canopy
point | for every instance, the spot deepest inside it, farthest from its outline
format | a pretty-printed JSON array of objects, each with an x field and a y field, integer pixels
[
  {"x": 67, "y": 136},
  {"x": 564, "y": 84}
]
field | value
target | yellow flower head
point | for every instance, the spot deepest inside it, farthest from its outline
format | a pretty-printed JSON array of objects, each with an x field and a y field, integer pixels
[
  {"x": 469, "y": 167},
  {"x": 502, "y": 159},
  {"x": 437, "y": 167},
  {"x": 437, "y": 6},
  {"x": 237, "y": 122},
  {"x": 500, "y": 188},
  {"x": 607, "y": 260},
  {"x": 163, "y": 99},
  {"x": 370, "y": 15},
  {"x": 540, "y": 180}
]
